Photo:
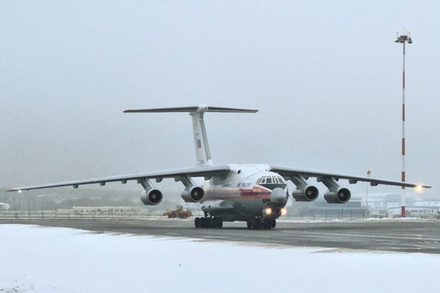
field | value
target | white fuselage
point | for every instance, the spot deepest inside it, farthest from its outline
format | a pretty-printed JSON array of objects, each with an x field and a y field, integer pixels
[{"x": 249, "y": 190}]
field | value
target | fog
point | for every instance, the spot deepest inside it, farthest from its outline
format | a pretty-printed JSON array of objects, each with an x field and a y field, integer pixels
[{"x": 326, "y": 77}]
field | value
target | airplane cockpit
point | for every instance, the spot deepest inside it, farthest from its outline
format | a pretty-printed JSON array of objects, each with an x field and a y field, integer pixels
[{"x": 272, "y": 182}]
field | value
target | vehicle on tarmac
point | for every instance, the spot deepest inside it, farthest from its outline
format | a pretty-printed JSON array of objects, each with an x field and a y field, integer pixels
[{"x": 179, "y": 212}]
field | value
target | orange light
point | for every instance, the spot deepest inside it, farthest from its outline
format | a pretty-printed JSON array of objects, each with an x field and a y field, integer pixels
[
  {"x": 419, "y": 188},
  {"x": 267, "y": 211}
]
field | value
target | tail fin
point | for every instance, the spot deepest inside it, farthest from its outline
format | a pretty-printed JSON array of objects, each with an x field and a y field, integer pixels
[{"x": 203, "y": 153}]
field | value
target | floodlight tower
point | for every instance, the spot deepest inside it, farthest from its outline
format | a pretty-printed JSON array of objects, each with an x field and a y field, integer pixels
[{"x": 403, "y": 39}]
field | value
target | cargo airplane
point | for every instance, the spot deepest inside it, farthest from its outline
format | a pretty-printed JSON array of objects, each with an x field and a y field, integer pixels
[{"x": 254, "y": 193}]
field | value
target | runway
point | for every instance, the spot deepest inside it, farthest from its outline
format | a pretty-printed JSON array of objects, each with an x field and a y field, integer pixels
[{"x": 405, "y": 235}]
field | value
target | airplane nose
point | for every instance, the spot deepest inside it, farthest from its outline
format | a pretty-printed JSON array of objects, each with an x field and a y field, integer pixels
[{"x": 278, "y": 195}]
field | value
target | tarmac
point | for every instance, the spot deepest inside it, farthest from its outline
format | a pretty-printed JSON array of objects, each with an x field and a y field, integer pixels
[{"x": 401, "y": 235}]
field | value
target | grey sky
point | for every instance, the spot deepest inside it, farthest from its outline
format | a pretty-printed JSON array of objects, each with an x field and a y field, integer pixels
[{"x": 325, "y": 75}]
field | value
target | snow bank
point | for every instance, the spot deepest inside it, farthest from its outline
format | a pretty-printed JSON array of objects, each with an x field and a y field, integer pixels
[{"x": 37, "y": 259}]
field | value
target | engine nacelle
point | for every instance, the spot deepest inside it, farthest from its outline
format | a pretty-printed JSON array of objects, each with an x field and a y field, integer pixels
[
  {"x": 339, "y": 195},
  {"x": 193, "y": 194},
  {"x": 305, "y": 193},
  {"x": 151, "y": 197}
]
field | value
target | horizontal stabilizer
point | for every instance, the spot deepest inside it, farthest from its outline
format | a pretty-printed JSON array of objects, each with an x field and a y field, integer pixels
[{"x": 193, "y": 109}]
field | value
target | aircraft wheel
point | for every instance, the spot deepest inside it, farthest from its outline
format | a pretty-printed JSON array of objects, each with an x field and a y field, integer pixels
[
  {"x": 203, "y": 223},
  {"x": 214, "y": 222},
  {"x": 220, "y": 223},
  {"x": 256, "y": 224},
  {"x": 208, "y": 222},
  {"x": 249, "y": 224},
  {"x": 267, "y": 224},
  {"x": 273, "y": 223},
  {"x": 197, "y": 223}
]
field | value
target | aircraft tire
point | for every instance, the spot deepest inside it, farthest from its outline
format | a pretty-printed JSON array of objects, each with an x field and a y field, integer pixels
[
  {"x": 256, "y": 224},
  {"x": 219, "y": 223},
  {"x": 267, "y": 224},
  {"x": 213, "y": 222},
  {"x": 216, "y": 223},
  {"x": 203, "y": 223},
  {"x": 249, "y": 224},
  {"x": 273, "y": 223},
  {"x": 197, "y": 222},
  {"x": 209, "y": 223}
]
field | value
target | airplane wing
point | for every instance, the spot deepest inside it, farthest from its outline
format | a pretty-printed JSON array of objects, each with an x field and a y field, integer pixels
[
  {"x": 287, "y": 173},
  {"x": 202, "y": 171}
]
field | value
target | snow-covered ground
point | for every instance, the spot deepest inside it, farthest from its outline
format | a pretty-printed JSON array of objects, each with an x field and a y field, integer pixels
[{"x": 37, "y": 259}]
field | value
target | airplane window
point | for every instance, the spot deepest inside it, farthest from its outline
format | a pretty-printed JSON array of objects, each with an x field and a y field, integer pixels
[{"x": 271, "y": 180}]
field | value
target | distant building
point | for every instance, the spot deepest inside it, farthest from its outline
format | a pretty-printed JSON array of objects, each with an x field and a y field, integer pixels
[
  {"x": 389, "y": 205},
  {"x": 4, "y": 206}
]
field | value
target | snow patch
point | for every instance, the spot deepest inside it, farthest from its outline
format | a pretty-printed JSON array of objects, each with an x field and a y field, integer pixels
[{"x": 41, "y": 259}]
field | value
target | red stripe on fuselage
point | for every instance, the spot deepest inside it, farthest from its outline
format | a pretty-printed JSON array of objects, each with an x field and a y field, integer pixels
[{"x": 239, "y": 193}]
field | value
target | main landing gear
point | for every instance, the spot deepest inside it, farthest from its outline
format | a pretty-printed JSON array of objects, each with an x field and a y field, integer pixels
[
  {"x": 206, "y": 222},
  {"x": 259, "y": 223}
]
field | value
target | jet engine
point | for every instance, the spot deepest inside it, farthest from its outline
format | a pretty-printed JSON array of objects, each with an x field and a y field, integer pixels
[
  {"x": 305, "y": 193},
  {"x": 193, "y": 194},
  {"x": 151, "y": 197},
  {"x": 337, "y": 195}
]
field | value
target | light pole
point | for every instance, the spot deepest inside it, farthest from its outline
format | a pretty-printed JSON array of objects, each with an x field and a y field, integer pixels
[
  {"x": 366, "y": 198},
  {"x": 402, "y": 39}
]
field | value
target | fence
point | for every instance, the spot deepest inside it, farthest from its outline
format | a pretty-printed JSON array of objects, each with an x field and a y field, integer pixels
[{"x": 84, "y": 213}]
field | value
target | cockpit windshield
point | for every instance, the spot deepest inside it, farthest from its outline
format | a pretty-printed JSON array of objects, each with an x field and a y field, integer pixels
[{"x": 271, "y": 180}]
